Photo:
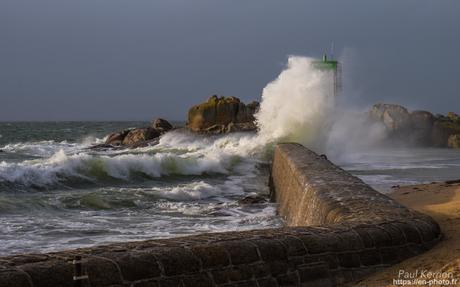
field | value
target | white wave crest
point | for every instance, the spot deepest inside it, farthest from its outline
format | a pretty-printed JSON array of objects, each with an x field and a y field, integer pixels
[
  {"x": 294, "y": 107},
  {"x": 61, "y": 166}
]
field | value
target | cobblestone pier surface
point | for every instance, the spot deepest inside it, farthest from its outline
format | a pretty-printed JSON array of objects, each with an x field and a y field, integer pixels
[{"x": 338, "y": 230}]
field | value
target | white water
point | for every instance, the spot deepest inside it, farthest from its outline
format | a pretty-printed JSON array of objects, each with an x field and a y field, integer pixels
[
  {"x": 57, "y": 194},
  {"x": 295, "y": 107}
]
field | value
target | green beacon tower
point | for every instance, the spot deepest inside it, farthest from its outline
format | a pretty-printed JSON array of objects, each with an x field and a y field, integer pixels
[{"x": 335, "y": 69}]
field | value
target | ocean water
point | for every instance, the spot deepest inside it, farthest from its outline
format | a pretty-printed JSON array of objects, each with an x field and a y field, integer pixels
[
  {"x": 384, "y": 168},
  {"x": 56, "y": 194}
]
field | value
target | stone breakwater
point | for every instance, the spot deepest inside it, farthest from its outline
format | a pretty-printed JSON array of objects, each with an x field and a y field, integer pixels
[{"x": 339, "y": 230}]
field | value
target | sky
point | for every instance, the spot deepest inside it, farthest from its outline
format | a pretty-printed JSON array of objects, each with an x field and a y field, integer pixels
[{"x": 141, "y": 59}]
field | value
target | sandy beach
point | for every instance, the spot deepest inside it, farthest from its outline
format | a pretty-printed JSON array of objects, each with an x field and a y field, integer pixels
[{"x": 442, "y": 202}]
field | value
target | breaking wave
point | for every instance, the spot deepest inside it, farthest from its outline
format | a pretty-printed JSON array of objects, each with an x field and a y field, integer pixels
[
  {"x": 294, "y": 107},
  {"x": 148, "y": 163}
]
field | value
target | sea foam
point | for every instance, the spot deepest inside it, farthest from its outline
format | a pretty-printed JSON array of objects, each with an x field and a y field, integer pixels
[{"x": 294, "y": 107}]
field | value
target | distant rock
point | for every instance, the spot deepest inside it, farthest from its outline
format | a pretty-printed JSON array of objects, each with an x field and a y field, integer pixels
[
  {"x": 421, "y": 126},
  {"x": 222, "y": 115},
  {"x": 394, "y": 117},
  {"x": 443, "y": 129},
  {"x": 137, "y": 137},
  {"x": 454, "y": 141},
  {"x": 418, "y": 128},
  {"x": 453, "y": 117}
]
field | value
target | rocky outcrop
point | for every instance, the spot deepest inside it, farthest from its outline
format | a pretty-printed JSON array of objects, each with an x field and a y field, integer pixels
[
  {"x": 394, "y": 117},
  {"x": 139, "y": 136},
  {"x": 453, "y": 117},
  {"x": 116, "y": 138},
  {"x": 421, "y": 125},
  {"x": 454, "y": 141},
  {"x": 222, "y": 115},
  {"x": 418, "y": 128}
]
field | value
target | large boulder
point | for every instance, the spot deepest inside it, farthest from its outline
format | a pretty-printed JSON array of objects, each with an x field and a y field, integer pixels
[
  {"x": 394, "y": 117},
  {"x": 222, "y": 115},
  {"x": 419, "y": 128},
  {"x": 116, "y": 138},
  {"x": 443, "y": 128}
]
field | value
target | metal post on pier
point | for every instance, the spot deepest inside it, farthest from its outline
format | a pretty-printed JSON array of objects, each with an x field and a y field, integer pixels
[{"x": 78, "y": 276}]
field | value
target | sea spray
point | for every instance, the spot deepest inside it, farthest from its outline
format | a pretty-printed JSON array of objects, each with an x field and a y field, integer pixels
[
  {"x": 55, "y": 193},
  {"x": 351, "y": 133},
  {"x": 297, "y": 105}
]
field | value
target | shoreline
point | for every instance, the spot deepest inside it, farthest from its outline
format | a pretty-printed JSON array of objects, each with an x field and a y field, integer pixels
[{"x": 441, "y": 201}]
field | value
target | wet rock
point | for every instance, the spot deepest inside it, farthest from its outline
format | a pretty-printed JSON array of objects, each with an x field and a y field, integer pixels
[
  {"x": 116, "y": 138},
  {"x": 139, "y": 135},
  {"x": 161, "y": 125},
  {"x": 104, "y": 146},
  {"x": 145, "y": 143},
  {"x": 394, "y": 117},
  {"x": 222, "y": 115},
  {"x": 252, "y": 199}
]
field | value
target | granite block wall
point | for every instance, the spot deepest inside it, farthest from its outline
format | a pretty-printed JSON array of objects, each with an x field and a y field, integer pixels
[{"x": 338, "y": 229}]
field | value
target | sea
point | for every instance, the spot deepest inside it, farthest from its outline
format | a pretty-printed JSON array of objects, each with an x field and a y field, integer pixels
[{"x": 57, "y": 193}]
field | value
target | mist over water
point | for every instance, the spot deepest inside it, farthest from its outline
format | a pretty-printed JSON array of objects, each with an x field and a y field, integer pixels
[{"x": 299, "y": 106}]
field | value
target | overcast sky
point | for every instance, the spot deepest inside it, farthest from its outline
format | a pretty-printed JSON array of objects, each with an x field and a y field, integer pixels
[{"x": 139, "y": 59}]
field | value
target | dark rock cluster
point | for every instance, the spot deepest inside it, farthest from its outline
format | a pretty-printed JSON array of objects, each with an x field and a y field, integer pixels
[
  {"x": 138, "y": 137},
  {"x": 418, "y": 128},
  {"x": 216, "y": 116}
]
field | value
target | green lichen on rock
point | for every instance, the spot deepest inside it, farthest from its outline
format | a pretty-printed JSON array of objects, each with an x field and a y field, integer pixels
[{"x": 453, "y": 117}]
